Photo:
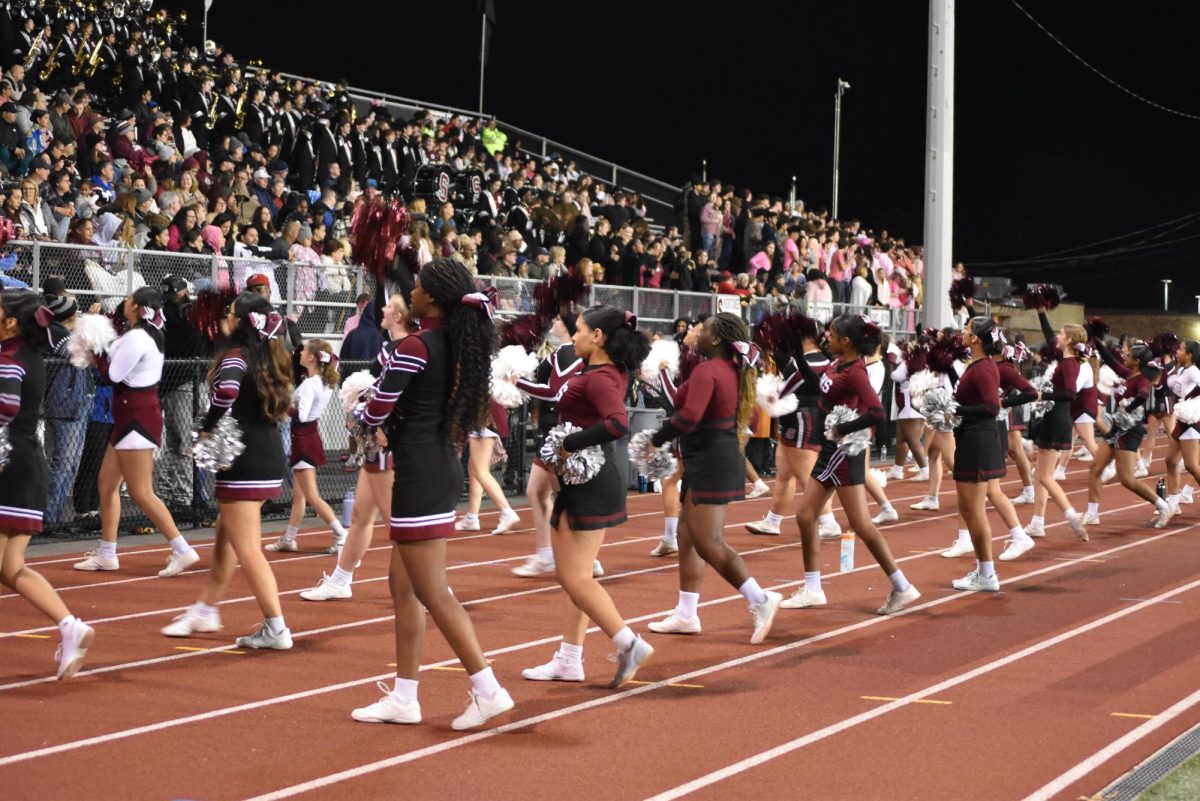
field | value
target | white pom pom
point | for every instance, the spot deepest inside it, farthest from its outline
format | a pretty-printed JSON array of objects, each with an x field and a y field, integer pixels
[
  {"x": 1188, "y": 411},
  {"x": 506, "y": 393},
  {"x": 511, "y": 361},
  {"x": 92, "y": 336},
  {"x": 1108, "y": 380},
  {"x": 353, "y": 388},
  {"x": 767, "y": 394},
  {"x": 921, "y": 382},
  {"x": 664, "y": 355}
]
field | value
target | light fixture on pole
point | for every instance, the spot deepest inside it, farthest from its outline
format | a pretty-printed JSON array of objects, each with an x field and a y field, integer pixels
[
  {"x": 1166, "y": 282},
  {"x": 704, "y": 171},
  {"x": 207, "y": 6},
  {"x": 842, "y": 86},
  {"x": 1198, "y": 304}
]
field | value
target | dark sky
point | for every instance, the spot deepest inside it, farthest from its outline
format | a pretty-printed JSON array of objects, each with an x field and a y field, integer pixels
[{"x": 1048, "y": 156}]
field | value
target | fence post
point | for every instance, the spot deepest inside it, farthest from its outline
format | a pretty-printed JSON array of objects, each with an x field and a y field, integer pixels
[
  {"x": 543, "y": 149},
  {"x": 215, "y": 277},
  {"x": 291, "y": 290},
  {"x": 358, "y": 280},
  {"x": 675, "y": 298},
  {"x": 637, "y": 303},
  {"x": 37, "y": 266},
  {"x": 614, "y": 178},
  {"x": 129, "y": 257},
  {"x": 197, "y": 476}
]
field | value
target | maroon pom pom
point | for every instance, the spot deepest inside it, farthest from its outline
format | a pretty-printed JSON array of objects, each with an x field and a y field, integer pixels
[
  {"x": 1096, "y": 328},
  {"x": 117, "y": 315},
  {"x": 915, "y": 355},
  {"x": 525, "y": 331},
  {"x": 688, "y": 359},
  {"x": 944, "y": 353},
  {"x": 208, "y": 310},
  {"x": 773, "y": 336},
  {"x": 1164, "y": 344},
  {"x": 961, "y": 292},
  {"x": 1050, "y": 352},
  {"x": 1041, "y": 296}
]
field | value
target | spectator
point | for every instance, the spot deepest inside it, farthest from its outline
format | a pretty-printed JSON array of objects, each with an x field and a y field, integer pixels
[{"x": 366, "y": 340}]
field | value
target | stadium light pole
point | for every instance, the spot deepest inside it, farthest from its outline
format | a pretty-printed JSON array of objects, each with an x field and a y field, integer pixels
[
  {"x": 1166, "y": 282},
  {"x": 207, "y": 6},
  {"x": 482, "y": 57},
  {"x": 939, "y": 165},
  {"x": 842, "y": 86}
]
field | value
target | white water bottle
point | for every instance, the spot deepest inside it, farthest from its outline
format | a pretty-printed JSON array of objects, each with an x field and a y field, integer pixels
[
  {"x": 846, "y": 561},
  {"x": 347, "y": 508}
]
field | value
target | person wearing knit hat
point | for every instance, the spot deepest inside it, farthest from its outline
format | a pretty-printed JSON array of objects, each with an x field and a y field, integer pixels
[{"x": 67, "y": 401}]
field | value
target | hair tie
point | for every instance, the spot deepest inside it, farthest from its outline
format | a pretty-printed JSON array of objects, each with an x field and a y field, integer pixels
[
  {"x": 631, "y": 321},
  {"x": 323, "y": 356},
  {"x": 152, "y": 316},
  {"x": 871, "y": 327},
  {"x": 746, "y": 353},
  {"x": 267, "y": 325},
  {"x": 482, "y": 300},
  {"x": 998, "y": 337},
  {"x": 43, "y": 317}
]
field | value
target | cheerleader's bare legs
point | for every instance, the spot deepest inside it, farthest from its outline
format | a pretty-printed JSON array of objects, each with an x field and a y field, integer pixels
[
  {"x": 758, "y": 486},
  {"x": 791, "y": 465},
  {"x": 372, "y": 497},
  {"x": 1182, "y": 454},
  {"x": 1048, "y": 488},
  {"x": 305, "y": 493},
  {"x": 1016, "y": 452},
  {"x": 972, "y": 505},
  {"x": 672, "y": 510},
  {"x": 540, "y": 492},
  {"x": 941, "y": 455},
  {"x": 238, "y": 541},
  {"x": 887, "y": 512},
  {"x": 1126, "y": 467},
  {"x": 1019, "y": 541},
  {"x": 1146, "y": 453},
  {"x": 479, "y": 469},
  {"x": 910, "y": 432}
]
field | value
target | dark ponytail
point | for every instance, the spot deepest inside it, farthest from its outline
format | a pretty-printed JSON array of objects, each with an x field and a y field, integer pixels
[
  {"x": 623, "y": 342},
  {"x": 1145, "y": 359},
  {"x": 864, "y": 335},
  {"x": 22, "y": 305},
  {"x": 991, "y": 338},
  {"x": 150, "y": 298}
]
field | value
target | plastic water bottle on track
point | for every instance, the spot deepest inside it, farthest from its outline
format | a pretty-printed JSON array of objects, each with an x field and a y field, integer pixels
[
  {"x": 347, "y": 508},
  {"x": 846, "y": 559},
  {"x": 1161, "y": 489}
]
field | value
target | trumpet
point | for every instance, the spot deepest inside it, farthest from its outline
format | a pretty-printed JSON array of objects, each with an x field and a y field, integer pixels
[
  {"x": 51, "y": 63},
  {"x": 34, "y": 47}
]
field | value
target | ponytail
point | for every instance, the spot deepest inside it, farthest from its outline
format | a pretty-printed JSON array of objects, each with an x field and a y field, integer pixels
[{"x": 623, "y": 342}]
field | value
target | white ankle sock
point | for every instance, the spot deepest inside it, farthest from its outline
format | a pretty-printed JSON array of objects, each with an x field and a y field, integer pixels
[
  {"x": 899, "y": 582},
  {"x": 180, "y": 546},
  {"x": 66, "y": 623},
  {"x": 812, "y": 581},
  {"x": 485, "y": 684},
  {"x": 406, "y": 689},
  {"x": 687, "y": 604},
  {"x": 1173, "y": 500},
  {"x": 624, "y": 639},
  {"x": 275, "y": 625},
  {"x": 338, "y": 528},
  {"x": 1027, "y": 490},
  {"x": 1093, "y": 508},
  {"x": 204, "y": 610},
  {"x": 107, "y": 548},
  {"x": 571, "y": 654},
  {"x": 1017, "y": 532},
  {"x": 887, "y": 507},
  {"x": 341, "y": 577},
  {"x": 1160, "y": 505},
  {"x": 1070, "y": 513},
  {"x": 752, "y": 592},
  {"x": 964, "y": 535},
  {"x": 545, "y": 554},
  {"x": 987, "y": 569},
  {"x": 471, "y": 517},
  {"x": 827, "y": 520},
  {"x": 774, "y": 519},
  {"x": 289, "y": 535},
  {"x": 1037, "y": 520},
  {"x": 670, "y": 530}
]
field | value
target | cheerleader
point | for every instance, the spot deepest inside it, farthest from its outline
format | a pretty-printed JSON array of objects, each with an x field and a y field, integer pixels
[
  {"x": 253, "y": 382},
  {"x": 608, "y": 339},
  {"x": 877, "y": 374},
  {"x": 1085, "y": 411},
  {"x": 433, "y": 392},
  {"x": 1054, "y": 433},
  {"x": 910, "y": 424},
  {"x": 1161, "y": 413},
  {"x": 1183, "y": 448},
  {"x": 941, "y": 446},
  {"x": 845, "y": 383},
  {"x": 672, "y": 505},
  {"x": 373, "y": 490},
  {"x": 24, "y": 478},
  {"x": 1127, "y": 433},
  {"x": 134, "y": 366},
  {"x": 308, "y": 452},
  {"x": 711, "y": 407},
  {"x": 481, "y": 446},
  {"x": 1011, "y": 379}
]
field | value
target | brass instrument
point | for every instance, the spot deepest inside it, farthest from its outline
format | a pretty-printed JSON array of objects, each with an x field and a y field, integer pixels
[
  {"x": 51, "y": 63},
  {"x": 94, "y": 59},
  {"x": 239, "y": 113},
  {"x": 154, "y": 54},
  {"x": 80, "y": 56},
  {"x": 210, "y": 48},
  {"x": 34, "y": 47}
]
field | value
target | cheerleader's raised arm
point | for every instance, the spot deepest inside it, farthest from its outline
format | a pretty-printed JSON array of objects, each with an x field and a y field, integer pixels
[{"x": 226, "y": 388}]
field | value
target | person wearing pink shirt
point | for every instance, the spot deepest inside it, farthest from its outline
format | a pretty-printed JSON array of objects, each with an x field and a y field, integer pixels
[
  {"x": 710, "y": 224},
  {"x": 791, "y": 248},
  {"x": 761, "y": 261}
]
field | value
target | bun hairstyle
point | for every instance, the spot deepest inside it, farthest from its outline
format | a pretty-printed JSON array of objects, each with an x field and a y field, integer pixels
[
  {"x": 24, "y": 305},
  {"x": 864, "y": 335},
  {"x": 730, "y": 329},
  {"x": 623, "y": 342},
  {"x": 150, "y": 318},
  {"x": 991, "y": 336},
  {"x": 327, "y": 363},
  {"x": 267, "y": 358},
  {"x": 1145, "y": 359}
]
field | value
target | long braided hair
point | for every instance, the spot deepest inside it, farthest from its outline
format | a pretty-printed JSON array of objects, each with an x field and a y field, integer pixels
[
  {"x": 472, "y": 341},
  {"x": 730, "y": 328}
]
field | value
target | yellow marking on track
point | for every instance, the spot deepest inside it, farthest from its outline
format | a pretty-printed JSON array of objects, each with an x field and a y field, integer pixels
[
  {"x": 685, "y": 686},
  {"x": 920, "y": 701},
  {"x": 454, "y": 669},
  {"x": 1130, "y": 715},
  {"x": 213, "y": 650},
  {"x": 33, "y": 636}
]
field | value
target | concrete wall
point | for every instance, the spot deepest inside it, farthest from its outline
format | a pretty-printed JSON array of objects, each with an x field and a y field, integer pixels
[
  {"x": 1018, "y": 319},
  {"x": 1145, "y": 324}
]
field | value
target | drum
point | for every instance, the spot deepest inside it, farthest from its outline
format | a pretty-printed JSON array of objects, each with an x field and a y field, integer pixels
[
  {"x": 468, "y": 189},
  {"x": 432, "y": 182}
]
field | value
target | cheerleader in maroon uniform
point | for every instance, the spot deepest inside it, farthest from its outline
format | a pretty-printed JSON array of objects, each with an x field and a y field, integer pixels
[
  {"x": 672, "y": 508},
  {"x": 308, "y": 451},
  {"x": 24, "y": 478},
  {"x": 595, "y": 401},
  {"x": 373, "y": 490},
  {"x": 1138, "y": 371},
  {"x": 711, "y": 407},
  {"x": 252, "y": 382},
  {"x": 433, "y": 392},
  {"x": 1011, "y": 380},
  {"x": 845, "y": 383},
  {"x": 134, "y": 365},
  {"x": 1085, "y": 411},
  {"x": 1183, "y": 449},
  {"x": 481, "y": 456}
]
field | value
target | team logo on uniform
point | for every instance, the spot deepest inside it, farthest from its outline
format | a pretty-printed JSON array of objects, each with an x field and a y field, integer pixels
[{"x": 826, "y": 382}]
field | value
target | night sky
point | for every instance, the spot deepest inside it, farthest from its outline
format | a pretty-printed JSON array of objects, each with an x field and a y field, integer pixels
[{"x": 1048, "y": 155}]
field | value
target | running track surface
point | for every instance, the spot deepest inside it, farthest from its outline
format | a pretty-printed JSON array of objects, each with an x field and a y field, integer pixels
[{"x": 1083, "y": 666}]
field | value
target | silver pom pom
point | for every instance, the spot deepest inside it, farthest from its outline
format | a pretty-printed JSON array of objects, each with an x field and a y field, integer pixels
[
  {"x": 853, "y": 443},
  {"x": 5, "y": 447},
  {"x": 662, "y": 464},
  {"x": 1042, "y": 384},
  {"x": 220, "y": 448},
  {"x": 363, "y": 445},
  {"x": 1123, "y": 419},
  {"x": 940, "y": 410},
  {"x": 579, "y": 467}
]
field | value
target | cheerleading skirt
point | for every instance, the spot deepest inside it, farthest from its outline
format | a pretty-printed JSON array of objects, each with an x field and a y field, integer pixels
[
  {"x": 1016, "y": 420},
  {"x": 1054, "y": 432},
  {"x": 256, "y": 475},
  {"x": 380, "y": 464},
  {"x": 836, "y": 468},
  {"x": 596, "y": 504},
  {"x": 23, "y": 482},
  {"x": 714, "y": 470},
  {"x": 1129, "y": 439},
  {"x": 308, "y": 451},
  {"x": 425, "y": 490},
  {"x": 1184, "y": 432},
  {"x": 798, "y": 430},
  {"x": 137, "y": 418},
  {"x": 979, "y": 450}
]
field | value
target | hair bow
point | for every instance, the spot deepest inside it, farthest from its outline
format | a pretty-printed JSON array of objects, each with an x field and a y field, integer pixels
[
  {"x": 998, "y": 337},
  {"x": 43, "y": 317},
  {"x": 152, "y": 316},
  {"x": 483, "y": 299},
  {"x": 631, "y": 321},
  {"x": 267, "y": 325},
  {"x": 870, "y": 326},
  {"x": 746, "y": 353},
  {"x": 324, "y": 356}
]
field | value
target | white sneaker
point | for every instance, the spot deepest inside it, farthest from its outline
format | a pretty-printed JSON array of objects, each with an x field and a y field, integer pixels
[
  {"x": 1016, "y": 547},
  {"x": 759, "y": 489},
  {"x": 922, "y": 474},
  {"x": 674, "y": 624},
  {"x": 911, "y": 466},
  {"x": 977, "y": 582},
  {"x": 282, "y": 545},
  {"x": 1109, "y": 473},
  {"x": 339, "y": 542},
  {"x": 597, "y": 569},
  {"x": 764, "y": 528},
  {"x": 629, "y": 660},
  {"x": 1142, "y": 470},
  {"x": 465, "y": 523},
  {"x": 895, "y": 472},
  {"x": 74, "y": 648},
  {"x": 928, "y": 504},
  {"x": 327, "y": 590},
  {"x": 97, "y": 561},
  {"x": 508, "y": 519},
  {"x": 763, "y": 616},
  {"x": 480, "y": 711},
  {"x": 1164, "y": 517},
  {"x": 664, "y": 548},
  {"x": 898, "y": 600},
  {"x": 1075, "y": 521},
  {"x": 1087, "y": 457},
  {"x": 1091, "y": 519},
  {"x": 832, "y": 531},
  {"x": 1024, "y": 499},
  {"x": 961, "y": 547},
  {"x": 265, "y": 638},
  {"x": 391, "y": 708},
  {"x": 1080, "y": 452},
  {"x": 1185, "y": 494},
  {"x": 881, "y": 478},
  {"x": 192, "y": 622},
  {"x": 179, "y": 562},
  {"x": 534, "y": 567},
  {"x": 886, "y": 516},
  {"x": 1060, "y": 473},
  {"x": 557, "y": 669},
  {"x": 1038, "y": 530},
  {"x": 803, "y": 598}
]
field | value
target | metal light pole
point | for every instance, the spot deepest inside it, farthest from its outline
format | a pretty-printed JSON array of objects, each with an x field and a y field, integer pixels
[
  {"x": 1198, "y": 304},
  {"x": 482, "y": 55},
  {"x": 207, "y": 6},
  {"x": 842, "y": 86},
  {"x": 704, "y": 171},
  {"x": 1166, "y": 282},
  {"x": 939, "y": 165},
  {"x": 792, "y": 195}
]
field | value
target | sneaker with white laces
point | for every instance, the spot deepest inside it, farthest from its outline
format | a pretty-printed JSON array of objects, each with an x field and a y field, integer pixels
[
  {"x": 192, "y": 622},
  {"x": 764, "y": 528},
  {"x": 265, "y": 638},
  {"x": 675, "y": 624},
  {"x": 281, "y": 545},
  {"x": 664, "y": 548},
  {"x": 629, "y": 660},
  {"x": 829, "y": 532},
  {"x": 465, "y": 523},
  {"x": 803, "y": 598},
  {"x": 895, "y": 472},
  {"x": 961, "y": 547},
  {"x": 94, "y": 560},
  {"x": 597, "y": 569},
  {"x": 1164, "y": 517},
  {"x": 1075, "y": 521},
  {"x": 759, "y": 489},
  {"x": 1091, "y": 519},
  {"x": 1142, "y": 470},
  {"x": 886, "y": 516},
  {"x": 73, "y": 648},
  {"x": 977, "y": 582},
  {"x": 508, "y": 519},
  {"x": 1038, "y": 530},
  {"x": 480, "y": 711},
  {"x": 327, "y": 590},
  {"x": 1024, "y": 499},
  {"x": 179, "y": 562},
  {"x": 897, "y": 600},
  {"x": 1016, "y": 546},
  {"x": 763, "y": 616},
  {"x": 928, "y": 504},
  {"x": 1109, "y": 473},
  {"x": 339, "y": 542},
  {"x": 1060, "y": 473},
  {"x": 391, "y": 708},
  {"x": 881, "y": 478},
  {"x": 534, "y": 567},
  {"x": 557, "y": 669}
]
